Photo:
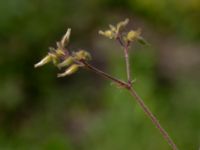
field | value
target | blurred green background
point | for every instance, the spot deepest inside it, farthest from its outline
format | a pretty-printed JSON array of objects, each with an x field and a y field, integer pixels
[{"x": 85, "y": 112}]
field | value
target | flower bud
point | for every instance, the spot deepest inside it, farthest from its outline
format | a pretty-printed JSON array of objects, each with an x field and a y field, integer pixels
[
  {"x": 68, "y": 61},
  {"x": 72, "y": 69},
  {"x": 59, "y": 52},
  {"x": 65, "y": 39},
  {"x": 82, "y": 55},
  {"x": 133, "y": 35},
  {"x": 54, "y": 58},
  {"x": 107, "y": 33},
  {"x": 122, "y": 24},
  {"x": 112, "y": 28},
  {"x": 44, "y": 61}
]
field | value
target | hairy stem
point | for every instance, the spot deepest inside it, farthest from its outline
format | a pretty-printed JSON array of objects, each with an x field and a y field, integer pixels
[{"x": 139, "y": 100}]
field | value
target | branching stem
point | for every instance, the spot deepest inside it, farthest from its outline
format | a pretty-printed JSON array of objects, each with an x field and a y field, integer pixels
[
  {"x": 105, "y": 75},
  {"x": 129, "y": 87},
  {"x": 125, "y": 46},
  {"x": 80, "y": 58}
]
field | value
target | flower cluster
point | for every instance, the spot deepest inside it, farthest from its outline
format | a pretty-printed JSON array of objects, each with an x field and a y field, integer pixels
[
  {"x": 62, "y": 58},
  {"x": 116, "y": 32}
]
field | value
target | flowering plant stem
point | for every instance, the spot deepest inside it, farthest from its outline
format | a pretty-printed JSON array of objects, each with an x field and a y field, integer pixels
[
  {"x": 128, "y": 86},
  {"x": 61, "y": 57},
  {"x": 126, "y": 55}
]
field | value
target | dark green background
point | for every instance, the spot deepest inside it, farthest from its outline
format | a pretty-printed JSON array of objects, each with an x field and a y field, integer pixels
[{"x": 85, "y": 112}]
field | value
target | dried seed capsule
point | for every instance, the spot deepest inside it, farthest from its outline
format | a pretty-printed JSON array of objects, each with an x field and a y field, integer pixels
[{"x": 72, "y": 69}]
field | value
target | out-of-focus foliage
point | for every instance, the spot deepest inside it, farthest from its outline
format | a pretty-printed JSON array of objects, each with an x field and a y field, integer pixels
[{"x": 40, "y": 111}]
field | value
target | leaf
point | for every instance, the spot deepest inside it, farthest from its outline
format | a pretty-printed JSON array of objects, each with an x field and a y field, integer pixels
[{"x": 142, "y": 41}]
